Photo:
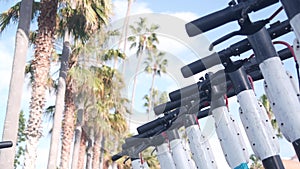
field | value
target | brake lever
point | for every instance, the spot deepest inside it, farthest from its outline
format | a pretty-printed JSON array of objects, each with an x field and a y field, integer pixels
[{"x": 247, "y": 28}]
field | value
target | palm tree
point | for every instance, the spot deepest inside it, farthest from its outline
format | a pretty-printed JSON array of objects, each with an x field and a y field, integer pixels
[
  {"x": 124, "y": 31},
  {"x": 155, "y": 64},
  {"x": 68, "y": 121},
  {"x": 59, "y": 106},
  {"x": 84, "y": 81},
  {"x": 162, "y": 99},
  {"x": 157, "y": 98},
  {"x": 78, "y": 133},
  {"x": 144, "y": 39},
  {"x": 104, "y": 105},
  {"x": 271, "y": 116},
  {"x": 17, "y": 77},
  {"x": 41, "y": 67},
  {"x": 82, "y": 150},
  {"x": 102, "y": 98},
  {"x": 117, "y": 119},
  {"x": 91, "y": 15},
  {"x": 150, "y": 99}
]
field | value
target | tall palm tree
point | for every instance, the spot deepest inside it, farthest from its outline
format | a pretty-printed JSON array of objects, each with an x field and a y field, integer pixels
[
  {"x": 82, "y": 19},
  {"x": 17, "y": 76},
  {"x": 103, "y": 100},
  {"x": 41, "y": 67},
  {"x": 59, "y": 106},
  {"x": 124, "y": 31},
  {"x": 144, "y": 39},
  {"x": 82, "y": 150},
  {"x": 84, "y": 81},
  {"x": 155, "y": 64},
  {"x": 78, "y": 133},
  {"x": 108, "y": 110},
  {"x": 117, "y": 120},
  {"x": 104, "y": 104},
  {"x": 68, "y": 122}
]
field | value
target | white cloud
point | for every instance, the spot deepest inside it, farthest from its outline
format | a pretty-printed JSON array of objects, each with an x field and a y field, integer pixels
[{"x": 120, "y": 8}]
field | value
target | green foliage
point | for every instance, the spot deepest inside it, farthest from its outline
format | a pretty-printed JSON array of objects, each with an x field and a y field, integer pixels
[
  {"x": 156, "y": 63},
  {"x": 49, "y": 113},
  {"x": 271, "y": 116},
  {"x": 32, "y": 37},
  {"x": 85, "y": 20},
  {"x": 114, "y": 53},
  {"x": 151, "y": 158},
  {"x": 21, "y": 138},
  {"x": 256, "y": 163},
  {"x": 143, "y": 38},
  {"x": 13, "y": 14},
  {"x": 157, "y": 98}
]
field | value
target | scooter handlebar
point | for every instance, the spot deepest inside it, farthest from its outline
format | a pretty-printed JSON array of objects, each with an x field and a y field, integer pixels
[{"x": 226, "y": 15}]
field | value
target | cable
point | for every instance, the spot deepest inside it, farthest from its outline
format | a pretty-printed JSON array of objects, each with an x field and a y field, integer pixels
[
  {"x": 269, "y": 19},
  {"x": 251, "y": 82},
  {"x": 275, "y": 13},
  {"x": 288, "y": 46},
  {"x": 251, "y": 56},
  {"x": 294, "y": 56},
  {"x": 226, "y": 101},
  {"x": 196, "y": 120},
  {"x": 141, "y": 157},
  {"x": 292, "y": 52}
]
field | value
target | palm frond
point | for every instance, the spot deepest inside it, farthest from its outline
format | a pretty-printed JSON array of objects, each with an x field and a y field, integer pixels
[{"x": 13, "y": 13}]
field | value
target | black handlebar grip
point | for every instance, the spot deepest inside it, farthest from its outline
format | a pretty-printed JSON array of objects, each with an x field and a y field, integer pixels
[
  {"x": 6, "y": 144},
  {"x": 276, "y": 30},
  {"x": 213, "y": 20},
  {"x": 162, "y": 108},
  {"x": 159, "y": 121},
  {"x": 184, "y": 92},
  {"x": 200, "y": 65},
  {"x": 117, "y": 156},
  {"x": 226, "y": 15}
]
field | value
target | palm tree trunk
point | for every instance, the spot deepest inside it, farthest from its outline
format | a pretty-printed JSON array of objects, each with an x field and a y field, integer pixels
[
  {"x": 10, "y": 128},
  {"x": 124, "y": 31},
  {"x": 82, "y": 150},
  {"x": 78, "y": 132},
  {"x": 41, "y": 68},
  {"x": 127, "y": 21},
  {"x": 102, "y": 152},
  {"x": 134, "y": 85},
  {"x": 59, "y": 107},
  {"x": 76, "y": 149},
  {"x": 89, "y": 154},
  {"x": 150, "y": 96},
  {"x": 96, "y": 152},
  {"x": 68, "y": 125}
]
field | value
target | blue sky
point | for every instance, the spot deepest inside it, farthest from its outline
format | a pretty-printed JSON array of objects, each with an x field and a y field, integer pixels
[{"x": 187, "y": 10}]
